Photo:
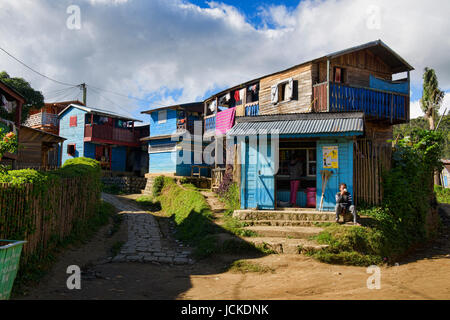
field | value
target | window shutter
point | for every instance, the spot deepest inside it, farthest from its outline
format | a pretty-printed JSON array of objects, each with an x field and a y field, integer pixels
[
  {"x": 274, "y": 94},
  {"x": 290, "y": 90},
  {"x": 73, "y": 121}
]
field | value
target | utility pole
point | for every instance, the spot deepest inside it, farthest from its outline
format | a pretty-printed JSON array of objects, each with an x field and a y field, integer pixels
[{"x": 83, "y": 87}]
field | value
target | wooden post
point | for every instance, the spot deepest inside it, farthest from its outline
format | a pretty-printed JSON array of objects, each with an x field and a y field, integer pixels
[{"x": 328, "y": 85}]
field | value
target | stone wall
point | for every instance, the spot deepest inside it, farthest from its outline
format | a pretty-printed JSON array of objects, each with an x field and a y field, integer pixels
[{"x": 126, "y": 184}]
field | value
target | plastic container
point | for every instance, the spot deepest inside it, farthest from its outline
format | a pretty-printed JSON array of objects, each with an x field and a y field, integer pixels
[
  {"x": 10, "y": 251},
  {"x": 311, "y": 197}
]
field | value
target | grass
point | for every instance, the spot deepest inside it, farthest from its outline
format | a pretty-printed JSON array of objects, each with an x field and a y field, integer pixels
[
  {"x": 194, "y": 219},
  {"x": 244, "y": 266}
]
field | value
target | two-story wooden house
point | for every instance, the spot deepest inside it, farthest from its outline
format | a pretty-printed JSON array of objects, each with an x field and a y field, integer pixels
[
  {"x": 335, "y": 113},
  {"x": 103, "y": 135},
  {"x": 168, "y": 126},
  {"x": 46, "y": 118}
]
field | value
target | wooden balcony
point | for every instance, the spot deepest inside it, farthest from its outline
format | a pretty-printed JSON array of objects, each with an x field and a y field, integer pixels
[
  {"x": 378, "y": 104},
  {"x": 111, "y": 135}
]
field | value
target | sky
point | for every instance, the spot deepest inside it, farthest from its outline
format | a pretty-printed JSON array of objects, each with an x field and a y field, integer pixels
[{"x": 136, "y": 55}]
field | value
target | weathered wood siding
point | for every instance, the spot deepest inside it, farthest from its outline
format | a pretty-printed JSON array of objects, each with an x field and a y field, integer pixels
[
  {"x": 378, "y": 132},
  {"x": 358, "y": 68},
  {"x": 302, "y": 91}
]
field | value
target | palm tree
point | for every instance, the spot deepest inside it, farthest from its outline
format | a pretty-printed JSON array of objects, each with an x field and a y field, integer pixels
[{"x": 432, "y": 96}]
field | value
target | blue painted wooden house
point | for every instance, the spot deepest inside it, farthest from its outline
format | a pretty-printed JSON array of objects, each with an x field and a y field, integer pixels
[
  {"x": 106, "y": 136},
  {"x": 335, "y": 113},
  {"x": 168, "y": 127}
]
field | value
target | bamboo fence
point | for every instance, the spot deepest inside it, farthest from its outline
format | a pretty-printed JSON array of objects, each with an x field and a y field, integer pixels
[
  {"x": 370, "y": 161},
  {"x": 44, "y": 217}
]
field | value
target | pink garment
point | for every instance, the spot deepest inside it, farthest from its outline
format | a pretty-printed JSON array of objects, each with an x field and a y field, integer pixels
[
  {"x": 295, "y": 184},
  {"x": 225, "y": 120}
]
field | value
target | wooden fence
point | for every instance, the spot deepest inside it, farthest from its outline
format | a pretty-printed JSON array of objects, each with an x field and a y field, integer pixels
[
  {"x": 370, "y": 161},
  {"x": 44, "y": 217}
]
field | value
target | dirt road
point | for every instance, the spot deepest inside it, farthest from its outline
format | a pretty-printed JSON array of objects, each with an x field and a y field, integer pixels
[{"x": 424, "y": 275}]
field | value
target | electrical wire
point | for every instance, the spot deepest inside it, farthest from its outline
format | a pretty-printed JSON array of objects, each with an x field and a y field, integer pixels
[{"x": 37, "y": 72}]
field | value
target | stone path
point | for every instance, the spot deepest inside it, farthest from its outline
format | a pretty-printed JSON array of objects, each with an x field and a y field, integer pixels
[{"x": 144, "y": 237}]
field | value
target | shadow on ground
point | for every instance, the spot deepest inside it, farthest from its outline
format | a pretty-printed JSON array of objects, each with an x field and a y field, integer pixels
[{"x": 134, "y": 280}]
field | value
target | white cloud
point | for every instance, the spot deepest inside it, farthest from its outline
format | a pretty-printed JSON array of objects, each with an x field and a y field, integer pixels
[
  {"x": 416, "y": 110},
  {"x": 156, "y": 48}
]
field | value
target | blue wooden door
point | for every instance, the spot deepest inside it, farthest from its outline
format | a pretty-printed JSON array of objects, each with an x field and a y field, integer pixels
[{"x": 265, "y": 193}]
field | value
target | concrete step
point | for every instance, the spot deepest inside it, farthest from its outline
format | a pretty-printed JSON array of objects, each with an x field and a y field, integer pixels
[
  {"x": 285, "y": 231},
  {"x": 287, "y": 246},
  {"x": 310, "y": 215},
  {"x": 281, "y": 223}
]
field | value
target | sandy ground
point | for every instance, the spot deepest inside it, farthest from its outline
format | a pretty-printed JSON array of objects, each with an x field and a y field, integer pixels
[{"x": 423, "y": 275}]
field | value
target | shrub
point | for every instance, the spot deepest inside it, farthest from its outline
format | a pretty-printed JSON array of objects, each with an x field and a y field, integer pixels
[
  {"x": 158, "y": 185},
  {"x": 442, "y": 194}
]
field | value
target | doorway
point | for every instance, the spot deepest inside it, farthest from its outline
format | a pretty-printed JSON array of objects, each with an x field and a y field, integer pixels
[{"x": 290, "y": 152}]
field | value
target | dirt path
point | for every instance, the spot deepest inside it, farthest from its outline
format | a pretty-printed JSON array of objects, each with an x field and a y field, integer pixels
[{"x": 424, "y": 275}]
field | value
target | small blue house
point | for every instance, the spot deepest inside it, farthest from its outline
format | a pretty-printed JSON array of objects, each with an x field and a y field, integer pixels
[
  {"x": 168, "y": 125},
  {"x": 108, "y": 137}
]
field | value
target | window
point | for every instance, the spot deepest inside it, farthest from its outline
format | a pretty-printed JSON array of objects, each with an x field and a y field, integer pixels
[
  {"x": 339, "y": 75},
  {"x": 73, "y": 121},
  {"x": 283, "y": 91},
  {"x": 71, "y": 149},
  {"x": 162, "y": 116}
]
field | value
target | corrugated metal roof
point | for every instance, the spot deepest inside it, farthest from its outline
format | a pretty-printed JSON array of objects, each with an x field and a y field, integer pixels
[
  {"x": 99, "y": 112},
  {"x": 300, "y": 126}
]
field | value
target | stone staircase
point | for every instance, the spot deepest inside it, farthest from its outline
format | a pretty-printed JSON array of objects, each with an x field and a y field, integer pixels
[
  {"x": 285, "y": 230},
  {"x": 148, "y": 186}
]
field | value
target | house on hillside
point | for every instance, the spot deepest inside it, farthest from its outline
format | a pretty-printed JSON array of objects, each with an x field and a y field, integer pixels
[
  {"x": 11, "y": 103},
  {"x": 108, "y": 137},
  {"x": 335, "y": 113},
  {"x": 46, "y": 118},
  {"x": 168, "y": 126}
]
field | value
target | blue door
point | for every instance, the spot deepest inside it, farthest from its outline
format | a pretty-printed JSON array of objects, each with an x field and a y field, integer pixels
[
  {"x": 257, "y": 179},
  {"x": 265, "y": 193}
]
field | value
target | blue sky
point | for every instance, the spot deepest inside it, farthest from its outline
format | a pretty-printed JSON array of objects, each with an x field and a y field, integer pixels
[{"x": 251, "y": 9}]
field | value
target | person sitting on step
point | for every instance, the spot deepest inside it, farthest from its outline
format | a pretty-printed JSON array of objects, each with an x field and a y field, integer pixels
[{"x": 344, "y": 202}]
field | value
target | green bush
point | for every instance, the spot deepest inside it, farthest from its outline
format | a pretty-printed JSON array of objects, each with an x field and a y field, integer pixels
[
  {"x": 442, "y": 194},
  {"x": 158, "y": 185}
]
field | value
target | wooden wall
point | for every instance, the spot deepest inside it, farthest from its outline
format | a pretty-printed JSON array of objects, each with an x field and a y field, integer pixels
[
  {"x": 358, "y": 65},
  {"x": 378, "y": 132},
  {"x": 302, "y": 91}
]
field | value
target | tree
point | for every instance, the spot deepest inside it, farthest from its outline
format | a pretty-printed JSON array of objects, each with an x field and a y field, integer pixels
[
  {"x": 432, "y": 96},
  {"x": 33, "y": 98}
]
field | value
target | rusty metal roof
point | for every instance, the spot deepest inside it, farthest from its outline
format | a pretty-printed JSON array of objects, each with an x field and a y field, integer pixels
[{"x": 301, "y": 124}]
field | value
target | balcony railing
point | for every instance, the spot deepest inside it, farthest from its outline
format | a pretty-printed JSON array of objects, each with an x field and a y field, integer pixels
[
  {"x": 42, "y": 119},
  {"x": 111, "y": 134},
  {"x": 210, "y": 123},
  {"x": 252, "y": 109},
  {"x": 375, "y": 103}
]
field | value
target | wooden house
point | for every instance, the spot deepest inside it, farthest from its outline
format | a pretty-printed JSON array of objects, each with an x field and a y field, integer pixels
[
  {"x": 38, "y": 149},
  {"x": 11, "y": 103},
  {"x": 103, "y": 135},
  {"x": 168, "y": 126},
  {"x": 46, "y": 118},
  {"x": 335, "y": 112}
]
